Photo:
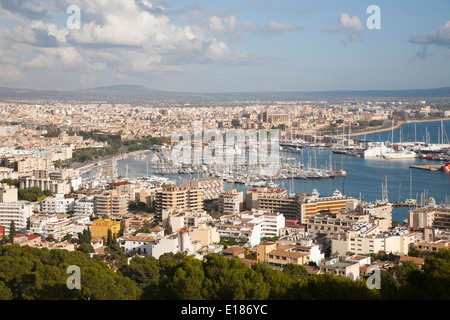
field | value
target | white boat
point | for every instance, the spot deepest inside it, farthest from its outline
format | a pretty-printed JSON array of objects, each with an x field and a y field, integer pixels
[
  {"x": 403, "y": 154},
  {"x": 376, "y": 149},
  {"x": 410, "y": 201}
]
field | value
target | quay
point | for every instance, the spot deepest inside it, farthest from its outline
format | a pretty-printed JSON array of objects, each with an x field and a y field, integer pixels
[{"x": 429, "y": 167}]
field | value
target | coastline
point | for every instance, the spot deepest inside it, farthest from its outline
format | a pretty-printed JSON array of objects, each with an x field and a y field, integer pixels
[
  {"x": 397, "y": 126},
  {"x": 86, "y": 167}
]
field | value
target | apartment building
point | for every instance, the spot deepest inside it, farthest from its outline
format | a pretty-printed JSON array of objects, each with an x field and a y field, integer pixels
[
  {"x": 231, "y": 202},
  {"x": 328, "y": 223},
  {"x": 24, "y": 165},
  {"x": 155, "y": 246},
  {"x": 252, "y": 196},
  {"x": 438, "y": 218},
  {"x": 8, "y": 193},
  {"x": 304, "y": 244},
  {"x": 132, "y": 190},
  {"x": 57, "y": 204},
  {"x": 43, "y": 180},
  {"x": 180, "y": 198},
  {"x": 112, "y": 203},
  {"x": 179, "y": 218},
  {"x": 148, "y": 195},
  {"x": 300, "y": 206},
  {"x": 84, "y": 207},
  {"x": 310, "y": 205},
  {"x": 8, "y": 173},
  {"x": 277, "y": 202},
  {"x": 432, "y": 246},
  {"x": 18, "y": 212},
  {"x": 380, "y": 216},
  {"x": 205, "y": 235},
  {"x": 54, "y": 153},
  {"x": 58, "y": 227},
  {"x": 278, "y": 256},
  {"x": 212, "y": 187},
  {"x": 346, "y": 269},
  {"x": 367, "y": 239},
  {"x": 251, "y": 225},
  {"x": 99, "y": 228}
]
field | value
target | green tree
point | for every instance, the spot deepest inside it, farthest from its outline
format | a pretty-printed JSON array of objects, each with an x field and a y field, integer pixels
[
  {"x": 5, "y": 292},
  {"x": 295, "y": 272},
  {"x": 414, "y": 252},
  {"x": 109, "y": 240},
  {"x": 168, "y": 229},
  {"x": 12, "y": 230},
  {"x": 68, "y": 236},
  {"x": 86, "y": 248}
]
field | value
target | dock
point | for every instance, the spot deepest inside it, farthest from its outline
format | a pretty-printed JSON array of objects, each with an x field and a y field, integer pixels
[{"x": 429, "y": 167}]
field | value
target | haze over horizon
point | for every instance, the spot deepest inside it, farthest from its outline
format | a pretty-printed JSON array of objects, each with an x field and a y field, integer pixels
[{"x": 233, "y": 46}]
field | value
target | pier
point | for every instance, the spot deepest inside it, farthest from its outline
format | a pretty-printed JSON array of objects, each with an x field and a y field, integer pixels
[{"x": 429, "y": 167}]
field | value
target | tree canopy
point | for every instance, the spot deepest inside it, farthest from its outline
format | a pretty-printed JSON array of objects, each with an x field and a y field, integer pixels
[{"x": 31, "y": 273}]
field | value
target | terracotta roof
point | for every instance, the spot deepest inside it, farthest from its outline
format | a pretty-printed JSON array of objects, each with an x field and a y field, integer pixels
[
  {"x": 234, "y": 250},
  {"x": 287, "y": 254},
  {"x": 157, "y": 229},
  {"x": 19, "y": 235},
  {"x": 413, "y": 259}
]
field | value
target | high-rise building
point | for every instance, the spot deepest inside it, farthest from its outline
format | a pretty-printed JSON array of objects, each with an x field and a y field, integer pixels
[
  {"x": 179, "y": 197},
  {"x": 231, "y": 202},
  {"x": 212, "y": 187},
  {"x": 252, "y": 196},
  {"x": 112, "y": 203},
  {"x": 300, "y": 206},
  {"x": 18, "y": 212}
]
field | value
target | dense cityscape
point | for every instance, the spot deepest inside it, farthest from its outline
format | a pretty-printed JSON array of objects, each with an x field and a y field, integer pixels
[{"x": 122, "y": 192}]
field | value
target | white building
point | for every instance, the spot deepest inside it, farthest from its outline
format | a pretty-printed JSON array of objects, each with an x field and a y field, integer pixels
[
  {"x": 84, "y": 207},
  {"x": 251, "y": 225},
  {"x": 155, "y": 246},
  {"x": 57, "y": 205},
  {"x": 304, "y": 244},
  {"x": 18, "y": 212},
  {"x": 81, "y": 223},
  {"x": 57, "y": 227},
  {"x": 370, "y": 239},
  {"x": 143, "y": 244},
  {"x": 181, "y": 218}
]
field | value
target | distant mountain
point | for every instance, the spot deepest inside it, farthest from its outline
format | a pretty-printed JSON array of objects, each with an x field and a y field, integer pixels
[
  {"x": 121, "y": 87},
  {"x": 136, "y": 93}
]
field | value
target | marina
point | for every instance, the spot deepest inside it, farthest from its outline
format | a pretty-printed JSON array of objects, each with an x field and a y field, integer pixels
[{"x": 408, "y": 182}]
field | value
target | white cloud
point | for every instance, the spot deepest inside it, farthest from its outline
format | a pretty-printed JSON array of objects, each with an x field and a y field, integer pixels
[
  {"x": 128, "y": 37},
  {"x": 276, "y": 27},
  {"x": 40, "y": 62},
  {"x": 10, "y": 74},
  {"x": 441, "y": 37},
  {"x": 352, "y": 26}
]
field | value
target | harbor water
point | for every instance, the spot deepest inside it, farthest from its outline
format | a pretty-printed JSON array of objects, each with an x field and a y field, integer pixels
[{"x": 365, "y": 177}]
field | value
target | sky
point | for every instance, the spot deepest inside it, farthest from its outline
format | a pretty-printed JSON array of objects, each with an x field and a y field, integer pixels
[{"x": 225, "y": 45}]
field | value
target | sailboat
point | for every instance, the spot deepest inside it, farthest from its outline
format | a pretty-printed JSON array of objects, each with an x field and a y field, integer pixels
[
  {"x": 410, "y": 201},
  {"x": 342, "y": 172},
  {"x": 402, "y": 154}
]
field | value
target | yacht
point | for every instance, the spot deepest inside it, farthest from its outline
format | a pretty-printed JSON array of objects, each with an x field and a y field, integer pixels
[{"x": 403, "y": 154}]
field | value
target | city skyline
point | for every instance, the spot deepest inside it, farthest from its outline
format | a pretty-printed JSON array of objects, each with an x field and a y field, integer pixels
[{"x": 240, "y": 46}]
